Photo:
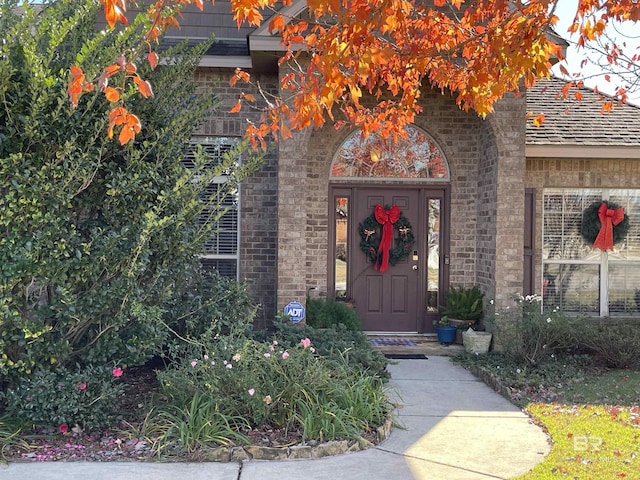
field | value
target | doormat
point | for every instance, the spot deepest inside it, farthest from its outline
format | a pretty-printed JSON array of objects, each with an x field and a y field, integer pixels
[
  {"x": 392, "y": 342},
  {"x": 408, "y": 356}
]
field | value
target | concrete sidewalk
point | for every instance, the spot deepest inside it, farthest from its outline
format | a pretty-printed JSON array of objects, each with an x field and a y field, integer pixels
[{"x": 451, "y": 426}]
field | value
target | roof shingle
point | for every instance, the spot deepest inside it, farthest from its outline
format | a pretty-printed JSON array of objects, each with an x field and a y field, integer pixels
[{"x": 572, "y": 122}]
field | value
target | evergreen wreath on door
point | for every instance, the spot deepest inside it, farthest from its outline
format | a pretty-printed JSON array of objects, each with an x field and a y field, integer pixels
[{"x": 386, "y": 236}]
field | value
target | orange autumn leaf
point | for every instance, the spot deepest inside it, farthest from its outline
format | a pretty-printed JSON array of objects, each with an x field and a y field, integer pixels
[
  {"x": 78, "y": 85},
  {"x": 538, "y": 120},
  {"x": 114, "y": 11},
  {"x": 111, "y": 94},
  {"x": 276, "y": 24},
  {"x": 143, "y": 86},
  {"x": 129, "y": 124},
  {"x": 152, "y": 58},
  {"x": 236, "y": 108}
]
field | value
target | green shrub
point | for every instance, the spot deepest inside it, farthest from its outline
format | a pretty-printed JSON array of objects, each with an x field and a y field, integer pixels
[
  {"x": 209, "y": 306},
  {"x": 463, "y": 303},
  {"x": 61, "y": 398},
  {"x": 323, "y": 313},
  {"x": 97, "y": 238},
  {"x": 269, "y": 383},
  {"x": 531, "y": 334},
  {"x": 618, "y": 345}
]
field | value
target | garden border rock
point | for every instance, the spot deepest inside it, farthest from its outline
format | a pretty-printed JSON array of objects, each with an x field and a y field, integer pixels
[{"x": 327, "y": 449}]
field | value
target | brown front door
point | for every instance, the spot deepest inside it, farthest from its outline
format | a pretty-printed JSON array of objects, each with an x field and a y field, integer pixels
[{"x": 391, "y": 301}]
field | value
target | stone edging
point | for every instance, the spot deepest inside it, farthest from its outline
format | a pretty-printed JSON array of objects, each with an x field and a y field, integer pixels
[
  {"x": 334, "y": 447},
  {"x": 492, "y": 381}
]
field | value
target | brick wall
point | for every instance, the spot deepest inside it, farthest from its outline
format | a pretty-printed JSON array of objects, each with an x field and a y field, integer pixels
[
  {"x": 258, "y": 200},
  {"x": 285, "y": 211},
  {"x": 470, "y": 146}
]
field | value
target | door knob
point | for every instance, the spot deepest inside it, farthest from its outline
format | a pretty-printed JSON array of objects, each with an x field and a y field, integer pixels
[{"x": 415, "y": 267}]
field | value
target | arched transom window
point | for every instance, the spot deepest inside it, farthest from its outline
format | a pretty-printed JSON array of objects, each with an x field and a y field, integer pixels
[{"x": 416, "y": 157}]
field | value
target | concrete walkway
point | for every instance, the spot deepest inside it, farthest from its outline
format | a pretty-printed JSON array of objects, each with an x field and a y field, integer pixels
[{"x": 451, "y": 426}]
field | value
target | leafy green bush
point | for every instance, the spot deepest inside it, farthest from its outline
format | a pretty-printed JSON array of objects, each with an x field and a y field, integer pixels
[
  {"x": 323, "y": 313},
  {"x": 209, "y": 306},
  {"x": 336, "y": 341},
  {"x": 61, "y": 398},
  {"x": 97, "y": 238},
  {"x": 463, "y": 303},
  {"x": 618, "y": 345},
  {"x": 531, "y": 334},
  {"x": 269, "y": 383}
]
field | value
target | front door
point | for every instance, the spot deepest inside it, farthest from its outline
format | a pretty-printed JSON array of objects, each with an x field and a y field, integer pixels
[
  {"x": 405, "y": 297},
  {"x": 390, "y": 300}
]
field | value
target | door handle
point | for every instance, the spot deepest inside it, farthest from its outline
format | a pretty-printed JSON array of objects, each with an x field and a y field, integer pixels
[{"x": 415, "y": 267}]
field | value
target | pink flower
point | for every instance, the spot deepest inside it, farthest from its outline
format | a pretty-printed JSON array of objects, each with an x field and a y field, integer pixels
[
  {"x": 306, "y": 343},
  {"x": 206, "y": 357},
  {"x": 251, "y": 391},
  {"x": 82, "y": 386},
  {"x": 267, "y": 355},
  {"x": 229, "y": 366},
  {"x": 285, "y": 355},
  {"x": 64, "y": 428},
  {"x": 117, "y": 372},
  {"x": 194, "y": 363}
]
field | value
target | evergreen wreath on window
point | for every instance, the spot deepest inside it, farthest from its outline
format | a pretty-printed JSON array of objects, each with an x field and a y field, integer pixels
[
  {"x": 597, "y": 218},
  {"x": 371, "y": 234}
]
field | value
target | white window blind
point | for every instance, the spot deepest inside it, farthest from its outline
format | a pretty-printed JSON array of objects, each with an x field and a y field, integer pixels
[{"x": 222, "y": 248}]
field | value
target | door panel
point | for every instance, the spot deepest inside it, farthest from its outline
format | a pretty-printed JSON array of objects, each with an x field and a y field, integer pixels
[{"x": 389, "y": 301}]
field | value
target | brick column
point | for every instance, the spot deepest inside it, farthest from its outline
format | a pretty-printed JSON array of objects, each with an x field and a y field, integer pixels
[
  {"x": 509, "y": 125},
  {"x": 292, "y": 219}
]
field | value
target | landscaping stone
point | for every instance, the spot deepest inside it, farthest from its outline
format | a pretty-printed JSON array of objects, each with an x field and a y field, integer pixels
[{"x": 300, "y": 452}]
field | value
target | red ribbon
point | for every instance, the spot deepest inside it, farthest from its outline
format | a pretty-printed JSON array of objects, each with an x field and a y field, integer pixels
[
  {"x": 608, "y": 218},
  {"x": 386, "y": 218}
]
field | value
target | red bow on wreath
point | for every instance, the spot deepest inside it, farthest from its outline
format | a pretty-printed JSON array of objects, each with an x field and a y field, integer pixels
[
  {"x": 386, "y": 218},
  {"x": 608, "y": 218}
]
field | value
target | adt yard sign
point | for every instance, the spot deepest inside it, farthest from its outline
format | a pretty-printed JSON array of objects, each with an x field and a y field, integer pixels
[{"x": 295, "y": 310}]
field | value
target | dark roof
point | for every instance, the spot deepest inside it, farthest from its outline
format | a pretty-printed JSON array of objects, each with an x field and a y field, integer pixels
[
  {"x": 572, "y": 122},
  {"x": 220, "y": 46}
]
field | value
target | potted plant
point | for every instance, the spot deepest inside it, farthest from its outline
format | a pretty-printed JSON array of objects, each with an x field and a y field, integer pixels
[
  {"x": 463, "y": 307},
  {"x": 446, "y": 332}
]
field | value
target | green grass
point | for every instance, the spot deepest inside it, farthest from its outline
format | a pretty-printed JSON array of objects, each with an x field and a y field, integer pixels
[
  {"x": 589, "y": 442},
  {"x": 591, "y": 413}
]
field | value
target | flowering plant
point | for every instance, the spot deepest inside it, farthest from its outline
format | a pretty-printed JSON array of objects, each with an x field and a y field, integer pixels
[{"x": 282, "y": 386}]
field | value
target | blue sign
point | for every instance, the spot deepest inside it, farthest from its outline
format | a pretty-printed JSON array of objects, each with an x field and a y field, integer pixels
[{"x": 295, "y": 310}]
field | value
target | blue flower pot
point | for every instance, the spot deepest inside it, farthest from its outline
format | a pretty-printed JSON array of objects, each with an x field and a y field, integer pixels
[{"x": 446, "y": 335}]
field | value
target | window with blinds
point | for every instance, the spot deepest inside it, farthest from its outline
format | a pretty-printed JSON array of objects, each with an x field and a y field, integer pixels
[
  {"x": 223, "y": 208},
  {"x": 578, "y": 278}
]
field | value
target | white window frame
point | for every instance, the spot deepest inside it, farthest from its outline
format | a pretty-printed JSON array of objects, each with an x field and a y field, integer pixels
[{"x": 603, "y": 261}]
